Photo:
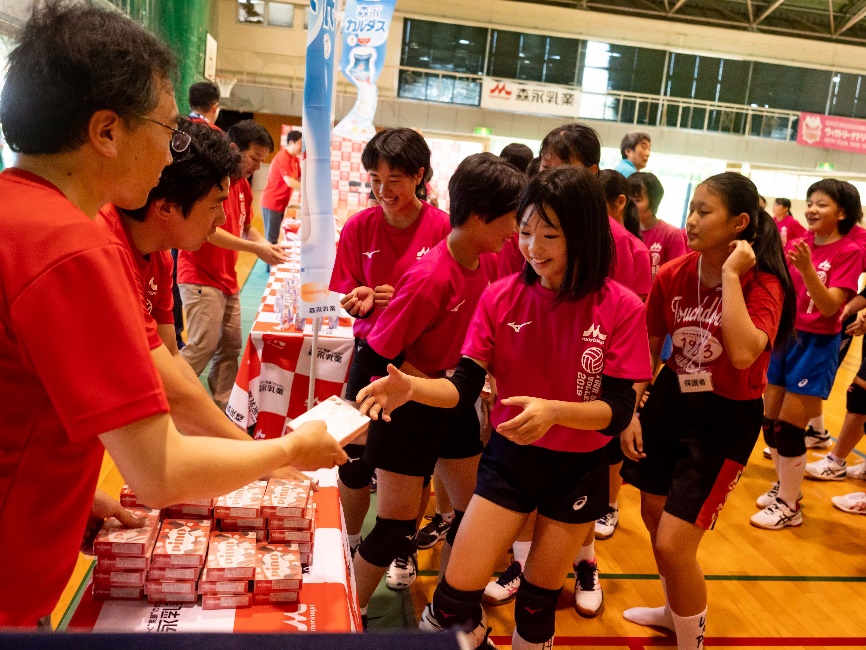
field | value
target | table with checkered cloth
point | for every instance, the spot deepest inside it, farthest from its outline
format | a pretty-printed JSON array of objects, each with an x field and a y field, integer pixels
[{"x": 274, "y": 375}]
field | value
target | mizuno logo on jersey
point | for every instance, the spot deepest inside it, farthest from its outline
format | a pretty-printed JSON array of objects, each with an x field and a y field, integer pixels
[
  {"x": 824, "y": 266},
  {"x": 422, "y": 252},
  {"x": 152, "y": 285},
  {"x": 517, "y": 327},
  {"x": 594, "y": 334},
  {"x": 656, "y": 248},
  {"x": 457, "y": 308},
  {"x": 370, "y": 254}
]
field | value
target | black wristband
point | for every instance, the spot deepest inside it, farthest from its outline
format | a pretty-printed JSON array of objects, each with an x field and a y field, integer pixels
[
  {"x": 619, "y": 395},
  {"x": 468, "y": 379}
]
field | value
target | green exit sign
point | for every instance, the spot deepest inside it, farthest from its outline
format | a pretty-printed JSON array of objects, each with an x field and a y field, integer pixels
[
  {"x": 826, "y": 167},
  {"x": 483, "y": 130}
]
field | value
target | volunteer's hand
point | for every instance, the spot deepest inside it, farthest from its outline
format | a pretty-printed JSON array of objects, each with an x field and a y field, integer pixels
[
  {"x": 858, "y": 327},
  {"x": 103, "y": 508},
  {"x": 386, "y": 394},
  {"x": 312, "y": 447},
  {"x": 289, "y": 473},
  {"x": 741, "y": 259},
  {"x": 271, "y": 253},
  {"x": 800, "y": 256},
  {"x": 643, "y": 399},
  {"x": 530, "y": 425},
  {"x": 358, "y": 302},
  {"x": 382, "y": 295},
  {"x": 631, "y": 440}
]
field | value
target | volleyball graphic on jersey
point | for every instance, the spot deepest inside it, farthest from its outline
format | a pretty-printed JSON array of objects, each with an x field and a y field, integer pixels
[{"x": 593, "y": 360}]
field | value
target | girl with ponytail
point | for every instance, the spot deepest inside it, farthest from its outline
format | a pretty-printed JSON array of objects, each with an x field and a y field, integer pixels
[{"x": 724, "y": 304}]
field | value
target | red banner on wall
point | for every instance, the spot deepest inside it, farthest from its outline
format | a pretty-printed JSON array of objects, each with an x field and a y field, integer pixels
[{"x": 842, "y": 133}]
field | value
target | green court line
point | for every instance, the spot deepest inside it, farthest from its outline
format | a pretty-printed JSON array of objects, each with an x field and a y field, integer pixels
[
  {"x": 717, "y": 578},
  {"x": 73, "y": 604}
]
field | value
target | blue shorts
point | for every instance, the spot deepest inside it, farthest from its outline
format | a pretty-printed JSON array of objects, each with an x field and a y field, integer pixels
[{"x": 807, "y": 365}]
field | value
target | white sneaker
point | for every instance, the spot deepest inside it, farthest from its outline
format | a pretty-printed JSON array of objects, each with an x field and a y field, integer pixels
[
  {"x": 588, "y": 596},
  {"x": 767, "y": 453},
  {"x": 816, "y": 440},
  {"x": 606, "y": 526},
  {"x": 855, "y": 503},
  {"x": 777, "y": 516},
  {"x": 857, "y": 471},
  {"x": 768, "y": 498},
  {"x": 826, "y": 469},
  {"x": 504, "y": 589},
  {"x": 402, "y": 572},
  {"x": 477, "y": 638}
]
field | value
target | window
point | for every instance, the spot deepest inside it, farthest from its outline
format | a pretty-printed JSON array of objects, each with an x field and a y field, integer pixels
[
  {"x": 848, "y": 95},
  {"x": 606, "y": 66},
  {"x": 789, "y": 88},
  {"x": 443, "y": 46},
  {"x": 532, "y": 57},
  {"x": 266, "y": 12},
  {"x": 433, "y": 87}
]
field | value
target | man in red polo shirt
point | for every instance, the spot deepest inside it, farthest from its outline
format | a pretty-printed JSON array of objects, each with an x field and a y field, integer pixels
[
  {"x": 284, "y": 179},
  {"x": 89, "y": 109},
  {"x": 207, "y": 277}
]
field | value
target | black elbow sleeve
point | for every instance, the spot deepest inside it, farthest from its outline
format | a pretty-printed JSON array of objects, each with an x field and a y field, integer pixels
[
  {"x": 468, "y": 379},
  {"x": 374, "y": 364},
  {"x": 620, "y": 396}
]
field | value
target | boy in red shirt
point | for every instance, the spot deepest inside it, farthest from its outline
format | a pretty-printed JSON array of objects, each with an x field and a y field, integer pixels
[
  {"x": 207, "y": 277},
  {"x": 284, "y": 179},
  {"x": 63, "y": 402}
]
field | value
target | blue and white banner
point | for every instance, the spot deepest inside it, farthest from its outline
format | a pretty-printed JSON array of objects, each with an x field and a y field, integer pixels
[
  {"x": 365, "y": 35},
  {"x": 318, "y": 243}
]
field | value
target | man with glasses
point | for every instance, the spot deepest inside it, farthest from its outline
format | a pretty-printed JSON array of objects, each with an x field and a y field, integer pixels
[
  {"x": 76, "y": 376},
  {"x": 207, "y": 277}
]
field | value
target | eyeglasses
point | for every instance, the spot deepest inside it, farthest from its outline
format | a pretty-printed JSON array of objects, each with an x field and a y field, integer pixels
[{"x": 180, "y": 141}]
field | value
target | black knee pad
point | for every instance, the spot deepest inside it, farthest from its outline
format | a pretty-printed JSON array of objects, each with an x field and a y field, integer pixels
[
  {"x": 389, "y": 539},
  {"x": 453, "y": 607},
  {"x": 535, "y": 612},
  {"x": 427, "y": 480},
  {"x": 357, "y": 473},
  {"x": 767, "y": 428},
  {"x": 451, "y": 535},
  {"x": 856, "y": 400},
  {"x": 790, "y": 439}
]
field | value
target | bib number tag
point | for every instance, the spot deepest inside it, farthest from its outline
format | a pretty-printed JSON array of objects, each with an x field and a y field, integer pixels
[{"x": 696, "y": 382}]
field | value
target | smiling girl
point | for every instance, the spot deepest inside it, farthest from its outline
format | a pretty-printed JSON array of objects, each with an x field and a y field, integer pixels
[
  {"x": 565, "y": 345},
  {"x": 723, "y": 305},
  {"x": 377, "y": 246},
  {"x": 825, "y": 267}
]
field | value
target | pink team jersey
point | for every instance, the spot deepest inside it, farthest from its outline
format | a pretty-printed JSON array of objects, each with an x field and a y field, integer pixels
[
  {"x": 432, "y": 306},
  {"x": 838, "y": 265},
  {"x": 665, "y": 243},
  {"x": 695, "y": 327},
  {"x": 372, "y": 252},
  {"x": 858, "y": 236},
  {"x": 631, "y": 269},
  {"x": 789, "y": 229},
  {"x": 539, "y": 348}
]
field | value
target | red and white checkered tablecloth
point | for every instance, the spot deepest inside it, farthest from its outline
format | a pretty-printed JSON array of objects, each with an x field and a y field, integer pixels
[
  {"x": 274, "y": 375},
  {"x": 327, "y": 599}
]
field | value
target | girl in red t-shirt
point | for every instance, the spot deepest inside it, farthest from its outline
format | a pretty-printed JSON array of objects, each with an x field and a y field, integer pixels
[
  {"x": 565, "y": 345},
  {"x": 723, "y": 305}
]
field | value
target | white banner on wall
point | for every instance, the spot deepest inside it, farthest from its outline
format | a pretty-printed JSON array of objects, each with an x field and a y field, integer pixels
[{"x": 521, "y": 97}]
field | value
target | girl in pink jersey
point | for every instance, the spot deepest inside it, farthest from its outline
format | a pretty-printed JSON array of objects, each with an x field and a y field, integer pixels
[
  {"x": 565, "y": 345},
  {"x": 825, "y": 267},
  {"x": 377, "y": 246},
  {"x": 663, "y": 240},
  {"x": 723, "y": 305},
  {"x": 789, "y": 228}
]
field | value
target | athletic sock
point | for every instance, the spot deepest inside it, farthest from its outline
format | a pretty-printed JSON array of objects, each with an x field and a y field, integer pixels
[
  {"x": 791, "y": 472},
  {"x": 656, "y": 616},
  {"x": 447, "y": 517},
  {"x": 354, "y": 540},
  {"x": 521, "y": 552},
  {"x": 836, "y": 459},
  {"x": 774, "y": 455},
  {"x": 586, "y": 553},
  {"x": 817, "y": 423},
  {"x": 690, "y": 630},
  {"x": 614, "y": 505},
  {"x": 519, "y": 643}
]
